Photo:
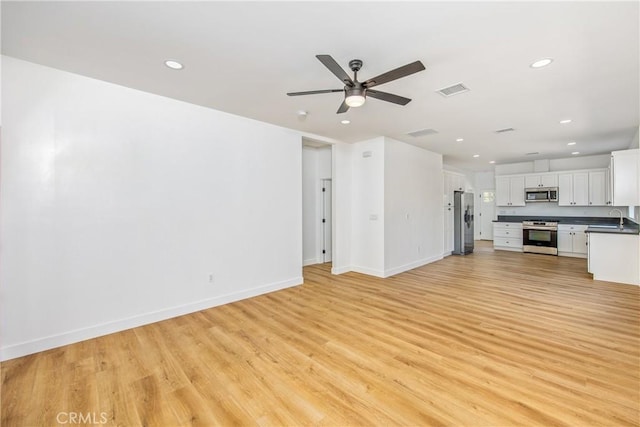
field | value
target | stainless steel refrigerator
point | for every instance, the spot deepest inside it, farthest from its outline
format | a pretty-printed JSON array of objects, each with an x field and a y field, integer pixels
[{"x": 462, "y": 223}]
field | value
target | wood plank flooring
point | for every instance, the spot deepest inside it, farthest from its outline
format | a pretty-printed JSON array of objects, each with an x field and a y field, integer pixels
[{"x": 487, "y": 339}]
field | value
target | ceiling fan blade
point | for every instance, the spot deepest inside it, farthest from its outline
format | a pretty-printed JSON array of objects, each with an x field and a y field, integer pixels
[
  {"x": 314, "y": 92},
  {"x": 337, "y": 70},
  {"x": 343, "y": 108},
  {"x": 389, "y": 97},
  {"x": 398, "y": 73}
]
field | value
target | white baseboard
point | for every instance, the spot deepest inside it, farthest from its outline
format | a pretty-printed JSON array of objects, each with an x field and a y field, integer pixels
[
  {"x": 572, "y": 254},
  {"x": 410, "y": 266},
  {"x": 310, "y": 261},
  {"x": 340, "y": 270},
  {"x": 388, "y": 272},
  {"x": 368, "y": 271},
  {"x": 71, "y": 337}
]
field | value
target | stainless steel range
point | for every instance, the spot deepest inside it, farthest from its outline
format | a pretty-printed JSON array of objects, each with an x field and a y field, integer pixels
[{"x": 540, "y": 237}]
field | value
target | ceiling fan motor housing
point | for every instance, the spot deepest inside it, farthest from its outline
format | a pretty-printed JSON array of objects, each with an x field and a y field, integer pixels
[
  {"x": 357, "y": 90},
  {"x": 355, "y": 65}
]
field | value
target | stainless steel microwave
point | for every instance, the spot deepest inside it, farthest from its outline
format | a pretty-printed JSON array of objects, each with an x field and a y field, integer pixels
[{"x": 541, "y": 194}]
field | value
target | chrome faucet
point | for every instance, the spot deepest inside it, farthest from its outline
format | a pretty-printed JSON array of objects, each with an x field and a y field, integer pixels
[{"x": 620, "y": 212}]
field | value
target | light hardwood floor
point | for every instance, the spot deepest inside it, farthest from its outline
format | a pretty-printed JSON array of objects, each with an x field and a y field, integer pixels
[{"x": 487, "y": 339}]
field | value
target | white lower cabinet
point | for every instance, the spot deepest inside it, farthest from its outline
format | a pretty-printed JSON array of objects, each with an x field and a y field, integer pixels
[
  {"x": 507, "y": 236},
  {"x": 572, "y": 240}
]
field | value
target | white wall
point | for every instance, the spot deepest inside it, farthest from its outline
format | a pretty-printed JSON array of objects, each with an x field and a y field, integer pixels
[
  {"x": 635, "y": 141},
  {"x": 118, "y": 204},
  {"x": 586, "y": 162},
  {"x": 324, "y": 162},
  {"x": 395, "y": 207},
  {"x": 570, "y": 163},
  {"x": 367, "y": 207},
  {"x": 485, "y": 180},
  {"x": 342, "y": 180},
  {"x": 412, "y": 210},
  {"x": 316, "y": 166}
]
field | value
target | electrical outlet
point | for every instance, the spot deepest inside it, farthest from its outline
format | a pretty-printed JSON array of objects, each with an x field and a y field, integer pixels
[{"x": 211, "y": 278}]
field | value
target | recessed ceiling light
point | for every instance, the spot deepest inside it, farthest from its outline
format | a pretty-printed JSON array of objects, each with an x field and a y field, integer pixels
[
  {"x": 174, "y": 65},
  {"x": 541, "y": 63},
  {"x": 459, "y": 140},
  {"x": 572, "y": 143},
  {"x": 565, "y": 121},
  {"x": 345, "y": 122},
  {"x": 476, "y": 155},
  {"x": 575, "y": 152},
  {"x": 492, "y": 161}
]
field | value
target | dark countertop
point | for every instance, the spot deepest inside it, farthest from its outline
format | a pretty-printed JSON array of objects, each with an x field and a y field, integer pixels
[
  {"x": 625, "y": 230},
  {"x": 629, "y": 227}
]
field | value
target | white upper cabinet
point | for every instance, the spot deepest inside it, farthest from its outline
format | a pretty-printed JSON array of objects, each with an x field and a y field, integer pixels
[
  {"x": 625, "y": 173},
  {"x": 618, "y": 185},
  {"x": 543, "y": 180},
  {"x": 573, "y": 189},
  {"x": 598, "y": 188},
  {"x": 510, "y": 191},
  {"x": 451, "y": 182}
]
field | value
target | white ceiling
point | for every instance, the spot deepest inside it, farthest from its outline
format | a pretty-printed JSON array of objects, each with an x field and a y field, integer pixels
[{"x": 243, "y": 58}]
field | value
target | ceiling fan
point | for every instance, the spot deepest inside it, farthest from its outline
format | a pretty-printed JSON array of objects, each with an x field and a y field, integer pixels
[{"x": 355, "y": 92}]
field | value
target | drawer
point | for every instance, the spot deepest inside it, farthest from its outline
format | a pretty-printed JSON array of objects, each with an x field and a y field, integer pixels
[
  {"x": 508, "y": 242},
  {"x": 507, "y": 225},
  {"x": 507, "y": 232},
  {"x": 568, "y": 227}
]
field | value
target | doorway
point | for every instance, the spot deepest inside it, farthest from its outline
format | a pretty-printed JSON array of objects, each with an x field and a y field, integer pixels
[
  {"x": 317, "y": 218},
  {"x": 487, "y": 213}
]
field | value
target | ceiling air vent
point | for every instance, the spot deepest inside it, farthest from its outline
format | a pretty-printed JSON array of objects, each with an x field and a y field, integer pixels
[
  {"x": 423, "y": 132},
  {"x": 505, "y": 130},
  {"x": 453, "y": 90}
]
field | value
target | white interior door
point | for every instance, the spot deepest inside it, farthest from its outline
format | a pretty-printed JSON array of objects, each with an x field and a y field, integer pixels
[
  {"x": 326, "y": 220},
  {"x": 487, "y": 213}
]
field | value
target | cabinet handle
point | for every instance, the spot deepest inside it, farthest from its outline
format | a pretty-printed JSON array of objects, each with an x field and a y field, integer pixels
[{"x": 589, "y": 202}]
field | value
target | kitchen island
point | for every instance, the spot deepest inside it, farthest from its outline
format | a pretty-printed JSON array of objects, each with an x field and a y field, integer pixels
[{"x": 614, "y": 253}]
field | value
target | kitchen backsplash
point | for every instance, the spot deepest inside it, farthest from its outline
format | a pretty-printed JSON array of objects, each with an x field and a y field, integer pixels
[{"x": 552, "y": 209}]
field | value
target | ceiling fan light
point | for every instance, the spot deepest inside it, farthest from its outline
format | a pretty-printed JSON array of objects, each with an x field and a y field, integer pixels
[
  {"x": 354, "y": 97},
  {"x": 355, "y": 100}
]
